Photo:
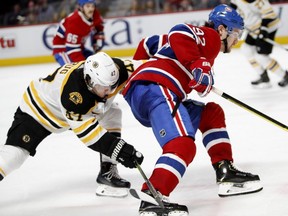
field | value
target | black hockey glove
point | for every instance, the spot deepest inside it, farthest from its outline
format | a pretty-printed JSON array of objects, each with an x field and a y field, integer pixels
[{"x": 126, "y": 154}]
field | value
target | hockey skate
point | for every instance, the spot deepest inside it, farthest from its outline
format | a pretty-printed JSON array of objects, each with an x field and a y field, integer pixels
[
  {"x": 284, "y": 81},
  {"x": 263, "y": 82},
  {"x": 110, "y": 183},
  {"x": 170, "y": 209},
  {"x": 232, "y": 181}
]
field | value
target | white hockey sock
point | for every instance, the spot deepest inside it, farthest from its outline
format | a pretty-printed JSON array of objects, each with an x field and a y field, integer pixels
[{"x": 11, "y": 158}]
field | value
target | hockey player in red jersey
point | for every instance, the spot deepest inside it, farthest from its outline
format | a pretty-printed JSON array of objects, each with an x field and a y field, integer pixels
[
  {"x": 74, "y": 30},
  {"x": 157, "y": 94},
  {"x": 77, "y": 97}
]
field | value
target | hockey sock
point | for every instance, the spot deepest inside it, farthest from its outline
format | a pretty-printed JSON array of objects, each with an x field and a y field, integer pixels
[{"x": 171, "y": 166}]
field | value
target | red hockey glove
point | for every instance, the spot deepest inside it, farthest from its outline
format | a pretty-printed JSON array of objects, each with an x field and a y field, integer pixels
[
  {"x": 202, "y": 77},
  {"x": 98, "y": 41}
]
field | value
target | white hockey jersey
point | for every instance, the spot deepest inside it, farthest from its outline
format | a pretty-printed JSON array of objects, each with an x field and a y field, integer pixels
[
  {"x": 254, "y": 12},
  {"x": 62, "y": 101}
]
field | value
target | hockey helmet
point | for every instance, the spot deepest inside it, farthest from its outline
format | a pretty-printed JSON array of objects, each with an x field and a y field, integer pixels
[
  {"x": 226, "y": 16},
  {"x": 100, "y": 69},
  {"x": 82, "y": 2}
]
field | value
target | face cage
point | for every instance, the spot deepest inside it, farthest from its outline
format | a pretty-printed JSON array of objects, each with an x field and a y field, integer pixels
[{"x": 233, "y": 33}]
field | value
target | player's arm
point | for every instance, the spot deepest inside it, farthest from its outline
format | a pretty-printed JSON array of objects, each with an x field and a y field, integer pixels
[
  {"x": 98, "y": 35},
  {"x": 94, "y": 136},
  {"x": 149, "y": 46},
  {"x": 184, "y": 40}
]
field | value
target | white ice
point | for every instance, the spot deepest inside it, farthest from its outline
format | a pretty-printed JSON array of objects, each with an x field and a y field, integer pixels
[{"x": 60, "y": 179}]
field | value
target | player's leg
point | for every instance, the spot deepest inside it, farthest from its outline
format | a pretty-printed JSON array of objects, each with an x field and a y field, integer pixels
[
  {"x": 153, "y": 105},
  {"x": 249, "y": 50},
  {"x": 109, "y": 181},
  {"x": 231, "y": 180},
  {"x": 62, "y": 58},
  {"x": 23, "y": 137}
]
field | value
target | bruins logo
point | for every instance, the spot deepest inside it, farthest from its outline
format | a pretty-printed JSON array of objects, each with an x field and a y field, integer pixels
[
  {"x": 26, "y": 138},
  {"x": 76, "y": 97},
  {"x": 95, "y": 64}
]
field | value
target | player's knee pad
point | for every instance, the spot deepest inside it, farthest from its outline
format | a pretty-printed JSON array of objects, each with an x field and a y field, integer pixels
[
  {"x": 212, "y": 117},
  {"x": 183, "y": 147}
]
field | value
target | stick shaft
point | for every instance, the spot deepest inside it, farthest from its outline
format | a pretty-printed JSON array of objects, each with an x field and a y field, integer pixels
[
  {"x": 275, "y": 43},
  {"x": 268, "y": 40},
  {"x": 249, "y": 108},
  {"x": 150, "y": 186}
]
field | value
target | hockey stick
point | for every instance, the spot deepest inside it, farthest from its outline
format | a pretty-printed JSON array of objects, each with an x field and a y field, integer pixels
[
  {"x": 150, "y": 186},
  {"x": 275, "y": 43},
  {"x": 249, "y": 108}
]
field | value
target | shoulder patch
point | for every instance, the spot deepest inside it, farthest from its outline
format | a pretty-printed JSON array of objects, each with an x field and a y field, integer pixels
[{"x": 76, "y": 98}]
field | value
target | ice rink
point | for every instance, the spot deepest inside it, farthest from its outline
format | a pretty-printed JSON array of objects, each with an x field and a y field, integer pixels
[{"x": 60, "y": 179}]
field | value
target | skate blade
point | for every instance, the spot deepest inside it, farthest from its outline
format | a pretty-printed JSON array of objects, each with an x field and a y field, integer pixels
[
  {"x": 108, "y": 191},
  {"x": 262, "y": 86},
  {"x": 233, "y": 189},
  {"x": 172, "y": 213}
]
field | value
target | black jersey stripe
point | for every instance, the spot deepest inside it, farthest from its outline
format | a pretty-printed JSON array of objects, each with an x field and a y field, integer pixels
[
  {"x": 40, "y": 111},
  {"x": 88, "y": 130}
]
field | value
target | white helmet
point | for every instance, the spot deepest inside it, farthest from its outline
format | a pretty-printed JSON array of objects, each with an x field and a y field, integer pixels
[{"x": 100, "y": 69}]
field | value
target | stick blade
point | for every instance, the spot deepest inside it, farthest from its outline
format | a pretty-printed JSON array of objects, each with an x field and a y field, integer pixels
[{"x": 142, "y": 196}]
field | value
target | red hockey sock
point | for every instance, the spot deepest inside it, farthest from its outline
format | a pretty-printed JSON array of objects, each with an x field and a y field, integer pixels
[{"x": 167, "y": 173}]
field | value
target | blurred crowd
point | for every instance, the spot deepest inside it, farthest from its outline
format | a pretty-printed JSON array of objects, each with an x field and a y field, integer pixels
[{"x": 27, "y": 12}]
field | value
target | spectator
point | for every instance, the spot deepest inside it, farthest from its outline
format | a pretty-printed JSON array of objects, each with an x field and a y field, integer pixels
[
  {"x": 186, "y": 5},
  {"x": 150, "y": 7},
  {"x": 15, "y": 17},
  {"x": 66, "y": 7},
  {"x": 32, "y": 13},
  {"x": 134, "y": 9},
  {"x": 46, "y": 12}
]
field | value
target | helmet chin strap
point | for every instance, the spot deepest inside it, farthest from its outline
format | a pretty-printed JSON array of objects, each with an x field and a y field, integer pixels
[{"x": 225, "y": 44}]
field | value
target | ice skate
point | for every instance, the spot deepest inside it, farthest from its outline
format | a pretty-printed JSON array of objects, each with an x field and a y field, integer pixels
[
  {"x": 170, "y": 209},
  {"x": 284, "y": 81},
  {"x": 263, "y": 82},
  {"x": 110, "y": 183},
  {"x": 232, "y": 181}
]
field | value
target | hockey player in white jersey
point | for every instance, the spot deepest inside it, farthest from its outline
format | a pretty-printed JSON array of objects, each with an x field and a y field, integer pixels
[
  {"x": 261, "y": 22},
  {"x": 77, "y": 97}
]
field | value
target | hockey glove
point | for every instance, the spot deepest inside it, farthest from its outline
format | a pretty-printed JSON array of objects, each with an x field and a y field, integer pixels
[
  {"x": 202, "y": 77},
  {"x": 126, "y": 154},
  {"x": 263, "y": 33},
  {"x": 260, "y": 41},
  {"x": 98, "y": 41}
]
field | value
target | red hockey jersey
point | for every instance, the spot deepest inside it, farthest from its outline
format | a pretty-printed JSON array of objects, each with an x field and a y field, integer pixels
[
  {"x": 173, "y": 63},
  {"x": 73, "y": 32}
]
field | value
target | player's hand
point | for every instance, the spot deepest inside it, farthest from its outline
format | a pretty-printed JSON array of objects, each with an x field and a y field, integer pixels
[
  {"x": 98, "y": 41},
  {"x": 202, "y": 80},
  {"x": 127, "y": 155},
  {"x": 263, "y": 33}
]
